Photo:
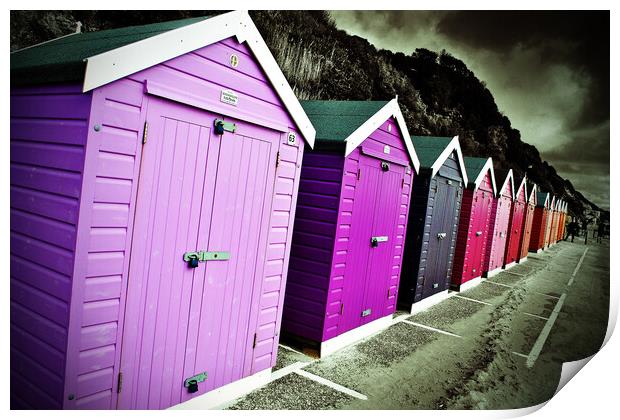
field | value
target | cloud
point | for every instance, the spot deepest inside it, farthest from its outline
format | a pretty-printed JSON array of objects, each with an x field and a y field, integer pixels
[{"x": 548, "y": 72}]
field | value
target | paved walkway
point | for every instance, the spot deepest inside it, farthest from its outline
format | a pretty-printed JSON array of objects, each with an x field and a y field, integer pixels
[{"x": 498, "y": 345}]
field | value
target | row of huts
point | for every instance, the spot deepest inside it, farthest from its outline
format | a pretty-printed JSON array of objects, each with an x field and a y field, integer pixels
[{"x": 175, "y": 210}]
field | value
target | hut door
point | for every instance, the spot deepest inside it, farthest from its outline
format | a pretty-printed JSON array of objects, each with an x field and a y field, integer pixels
[
  {"x": 386, "y": 208},
  {"x": 198, "y": 191},
  {"x": 375, "y": 214}
]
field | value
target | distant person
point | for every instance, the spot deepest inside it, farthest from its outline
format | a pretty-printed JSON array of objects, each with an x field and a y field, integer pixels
[
  {"x": 571, "y": 230},
  {"x": 600, "y": 233}
]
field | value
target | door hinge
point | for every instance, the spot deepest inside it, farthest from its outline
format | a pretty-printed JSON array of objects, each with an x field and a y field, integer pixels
[
  {"x": 341, "y": 308},
  {"x": 402, "y": 184},
  {"x": 278, "y": 159},
  {"x": 254, "y": 342},
  {"x": 119, "y": 383},
  {"x": 145, "y": 132},
  {"x": 359, "y": 173},
  {"x": 388, "y": 293}
]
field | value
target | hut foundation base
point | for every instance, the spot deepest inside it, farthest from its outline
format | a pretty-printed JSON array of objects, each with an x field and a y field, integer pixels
[
  {"x": 350, "y": 337},
  {"x": 510, "y": 265},
  {"x": 429, "y": 301},
  {"x": 222, "y": 396},
  {"x": 522, "y": 260},
  {"x": 493, "y": 272},
  {"x": 470, "y": 284}
]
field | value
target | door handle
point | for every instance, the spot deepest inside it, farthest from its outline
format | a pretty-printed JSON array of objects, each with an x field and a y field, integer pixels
[{"x": 441, "y": 235}]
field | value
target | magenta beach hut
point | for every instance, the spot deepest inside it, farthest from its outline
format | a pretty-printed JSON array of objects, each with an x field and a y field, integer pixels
[
  {"x": 154, "y": 175},
  {"x": 350, "y": 223},
  {"x": 500, "y": 219}
]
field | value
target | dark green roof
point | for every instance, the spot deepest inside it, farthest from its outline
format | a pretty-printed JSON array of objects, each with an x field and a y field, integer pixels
[
  {"x": 334, "y": 121},
  {"x": 540, "y": 198},
  {"x": 429, "y": 149},
  {"x": 473, "y": 166},
  {"x": 62, "y": 59}
]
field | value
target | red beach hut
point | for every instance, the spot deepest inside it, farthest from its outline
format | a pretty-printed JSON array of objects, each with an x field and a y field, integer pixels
[
  {"x": 524, "y": 242},
  {"x": 539, "y": 224},
  {"x": 549, "y": 225},
  {"x": 500, "y": 216},
  {"x": 473, "y": 223},
  {"x": 515, "y": 225}
]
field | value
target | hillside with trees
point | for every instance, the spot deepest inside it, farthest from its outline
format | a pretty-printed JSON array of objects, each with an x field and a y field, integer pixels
[{"x": 438, "y": 94}]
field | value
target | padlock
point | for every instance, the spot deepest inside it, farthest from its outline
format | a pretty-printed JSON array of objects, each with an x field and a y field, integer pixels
[
  {"x": 374, "y": 242},
  {"x": 192, "y": 262},
  {"x": 192, "y": 386}
]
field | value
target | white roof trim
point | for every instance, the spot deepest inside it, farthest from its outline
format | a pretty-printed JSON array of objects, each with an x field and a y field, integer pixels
[
  {"x": 546, "y": 203},
  {"x": 523, "y": 187},
  {"x": 533, "y": 195},
  {"x": 505, "y": 184},
  {"x": 391, "y": 109},
  {"x": 115, "y": 64},
  {"x": 453, "y": 146},
  {"x": 488, "y": 166}
]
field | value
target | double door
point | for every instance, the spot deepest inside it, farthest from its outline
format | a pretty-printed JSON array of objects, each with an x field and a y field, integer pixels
[
  {"x": 444, "y": 223},
  {"x": 191, "y": 315},
  {"x": 371, "y": 250}
]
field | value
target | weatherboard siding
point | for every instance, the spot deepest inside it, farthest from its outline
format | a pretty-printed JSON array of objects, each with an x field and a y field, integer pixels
[
  {"x": 515, "y": 228},
  {"x": 537, "y": 239},
  {"x": 313, "y": 244},
  {"x": 48, "y": 133},
  {"x": 113, "y": 156}
]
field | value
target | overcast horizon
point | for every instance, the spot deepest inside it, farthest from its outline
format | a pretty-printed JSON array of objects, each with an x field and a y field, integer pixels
[{"x": 548, "y": 73}]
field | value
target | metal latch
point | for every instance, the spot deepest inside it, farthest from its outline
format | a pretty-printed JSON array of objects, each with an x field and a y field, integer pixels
[
  {"x": 374, "y": 241},
  {"x": 367, "y": 312},
  {"x": 192, "y": 258},
  {"x": 221, "y": 126},
  {"x": 192, "y": 383},
  {"x": 435, "y": 285},
  {"x": 441, "y": 235},
  {"x": 385, "y": 166},
  {"x": 479, "y": 233}
]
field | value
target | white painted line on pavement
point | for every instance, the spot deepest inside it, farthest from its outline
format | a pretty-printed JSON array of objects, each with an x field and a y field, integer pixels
[
  {"x": 331, "y": 384},
  {"x": 515, "y": 274},
  {"x": 472, "y": 300},
  {"x": 499, "y": 284},
  {"x": 288, "y": 369},
  {"x": 520, "y": 354},
  {"x": 544, "y": 334},
  {"x": 431, "y": 328},
  {"x": 572, "y": 277},
  {"x": 535, "y": 316},
  {"x": 546, "y": 295}
]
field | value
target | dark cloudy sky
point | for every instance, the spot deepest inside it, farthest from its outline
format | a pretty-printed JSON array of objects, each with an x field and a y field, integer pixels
[{"x": 548, "y": 72}]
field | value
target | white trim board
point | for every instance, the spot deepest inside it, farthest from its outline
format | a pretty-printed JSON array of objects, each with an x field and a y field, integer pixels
[
  {"x": 453, "y": 146},
  {"x": 470, "y": 284},
  {"x": 391, "y": 109},
  {"x": 488, "y": 166},
  {"x": 225, "y": 394},
  {"x": 509, "y": 176},
  {"x": 353, "y": 336},
  {"x": 510, "y": 265},
  {"x": 426, "y": 303},
  {"x": 115, "y": 64}
]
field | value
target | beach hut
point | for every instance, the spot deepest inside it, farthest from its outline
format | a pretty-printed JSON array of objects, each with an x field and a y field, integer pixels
[
  {"x": 562, "y": 224},
  {"x": 474, "y": 220},
  {"x": 550, "y": 217},
  {"x": 555, "y": 223},
  {"x": 515, "y": 224},
  {"x": 500, "y": 217},
  {"x": 433, "y": 222},
  {"x": 350, "y": 223},
  {"x": 154, "y": 177},
  {"x": 524, "y": 242},
  {"x": 539, "y": 223}
]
